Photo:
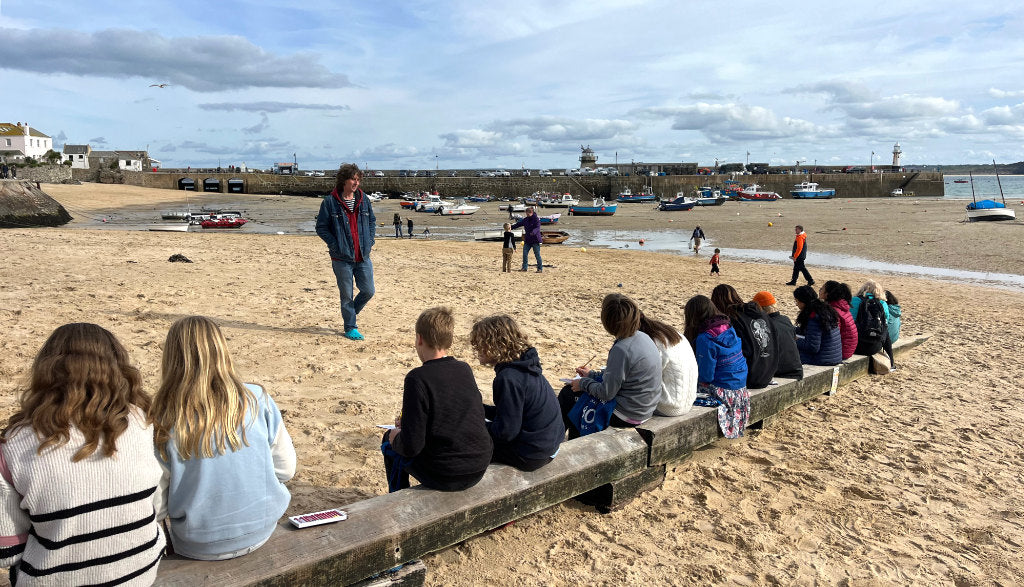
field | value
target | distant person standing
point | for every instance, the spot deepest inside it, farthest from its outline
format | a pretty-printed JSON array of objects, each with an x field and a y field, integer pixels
[
  {"x": 697, "y": 238},
  {"x": 409, "y": 221},
  {"x": 398, "y": 225},
  {"x": 508, "y": 248},
  {"x": 347, "y": 224},
  {"x": 3, "y": 171},
  {"x": 531, "y": 238},
  {"x": 799, "y": 255}
]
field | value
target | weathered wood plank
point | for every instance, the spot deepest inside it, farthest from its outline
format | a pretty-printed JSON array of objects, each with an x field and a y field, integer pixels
[
  {"x": 386, "y": 530},
  {"x": 612, "y": 496}
]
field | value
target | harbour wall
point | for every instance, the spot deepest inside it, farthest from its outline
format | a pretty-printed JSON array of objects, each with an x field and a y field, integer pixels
[{"x": 847, "y": 185}]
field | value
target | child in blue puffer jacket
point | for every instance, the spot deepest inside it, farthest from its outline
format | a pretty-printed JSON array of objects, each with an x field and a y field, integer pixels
[
  {"x": 817, "y": 328},
  {"x": 721, "y": 368}
]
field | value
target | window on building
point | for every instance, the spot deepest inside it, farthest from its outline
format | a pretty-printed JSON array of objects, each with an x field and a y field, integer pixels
[
  {"x": 81, "y": 156},
  {"x": 8, "y": 142}
]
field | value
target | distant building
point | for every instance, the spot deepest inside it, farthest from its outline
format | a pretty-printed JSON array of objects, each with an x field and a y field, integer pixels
[
  {"x": 126, "y": 160},
  {"x": 78, "y": 155},
  {"x": 18, "y": 141},
  {"x": 285, "y": 168},
  {"x": 588, "y": 159}
]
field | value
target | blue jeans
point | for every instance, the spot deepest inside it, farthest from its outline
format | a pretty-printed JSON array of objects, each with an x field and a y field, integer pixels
[
  {"x": 362, "y": 274},
  {"x": 535, "y": 247}
]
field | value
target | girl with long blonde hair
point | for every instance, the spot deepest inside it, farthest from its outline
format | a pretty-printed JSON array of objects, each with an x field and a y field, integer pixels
[
  {"x": 223, "y": 445},
  {"x": 78, "y": 471}
]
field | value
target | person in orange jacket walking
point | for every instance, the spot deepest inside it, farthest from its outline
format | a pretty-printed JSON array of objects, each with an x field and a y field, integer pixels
[{"x": 798, "y": 257}]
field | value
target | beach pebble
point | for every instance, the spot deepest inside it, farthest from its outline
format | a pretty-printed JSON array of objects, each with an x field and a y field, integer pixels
[{"x": 620, "y": 285}]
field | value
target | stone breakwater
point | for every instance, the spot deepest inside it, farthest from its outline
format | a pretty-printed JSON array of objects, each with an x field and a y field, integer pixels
[{"x": 866, "y": 185}]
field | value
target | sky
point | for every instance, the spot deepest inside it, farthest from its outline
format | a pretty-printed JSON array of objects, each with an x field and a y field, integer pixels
[{"x": 465, "y": 84}]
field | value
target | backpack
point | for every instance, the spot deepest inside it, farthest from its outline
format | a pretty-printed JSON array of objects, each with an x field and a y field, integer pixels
[
  {"x": 759, "y": 342},
  {"x": 871, "y": 327}
]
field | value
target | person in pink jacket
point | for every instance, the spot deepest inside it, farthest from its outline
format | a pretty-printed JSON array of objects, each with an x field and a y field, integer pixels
[{"x": 838, "y": 295}]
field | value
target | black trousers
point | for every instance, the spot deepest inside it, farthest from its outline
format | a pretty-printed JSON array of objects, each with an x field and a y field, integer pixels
[{"x": 798, "y": 268}]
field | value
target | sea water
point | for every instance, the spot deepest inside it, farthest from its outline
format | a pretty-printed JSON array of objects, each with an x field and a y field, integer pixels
[{"x": 985, "y": 187}]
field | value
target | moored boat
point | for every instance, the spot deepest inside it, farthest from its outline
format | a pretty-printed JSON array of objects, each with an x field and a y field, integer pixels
[
  {"x": 460, "y": 208},
  {"x": 809, "y": 189},
  {"x": 495, "y": 234},
  {"x": 597, "y": 208},
  {"x": 680, "y": 204},
  {"x": 224, "y": 222},
  {"x": 559, "y": 201},
  {"x": 989, "y": 210},
  {"x": 647, "y": 195},
  {"x": 553, "y": 237},
  {"x": 550, "y": 219},
  {"x": 754, "y": 193},
  {"x": 169, "y": 227},
  {"x": 707, "y": 196}
]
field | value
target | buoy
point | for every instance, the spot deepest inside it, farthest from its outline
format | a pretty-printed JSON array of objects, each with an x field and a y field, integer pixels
[
  {"x": 642, "y": 241},
  {"x": 583, "y": 249},
  {"x": 844, "y": 228},
  {"x": 770, "y": 224}
]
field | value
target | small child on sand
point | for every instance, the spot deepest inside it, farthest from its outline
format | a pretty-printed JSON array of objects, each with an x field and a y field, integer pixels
[
  {"x": 714, "y": 262},
  {"x": 508, "y": 246},
  {"x": 440, "y": 437}
]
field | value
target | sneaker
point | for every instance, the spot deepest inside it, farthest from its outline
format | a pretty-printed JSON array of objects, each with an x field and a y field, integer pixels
[
  {"x": 810, "y": 283},
  {"x": 524, "y": 269},
  {"x": 790, "y": 283},
  {"x": 540, "y": 271},
  {"x": 353, "y": 334}
]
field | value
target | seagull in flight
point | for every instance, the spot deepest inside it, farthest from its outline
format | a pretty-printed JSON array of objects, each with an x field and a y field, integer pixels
[{"x": 158, "y": 85}]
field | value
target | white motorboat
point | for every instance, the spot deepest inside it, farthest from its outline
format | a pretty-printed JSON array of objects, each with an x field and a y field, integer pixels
[
  {"x": 496, "y": 234},
  {"x": 168, "y": 227},
  {"x": 460, "y": 208},
  {"x": 432, "y": 203}
]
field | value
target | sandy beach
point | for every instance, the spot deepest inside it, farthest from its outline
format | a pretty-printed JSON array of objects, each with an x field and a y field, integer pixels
[{"x": 911, "y": 478}]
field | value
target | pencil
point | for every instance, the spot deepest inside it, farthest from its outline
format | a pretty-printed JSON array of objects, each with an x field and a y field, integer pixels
[{"x": 590, "y": 361}]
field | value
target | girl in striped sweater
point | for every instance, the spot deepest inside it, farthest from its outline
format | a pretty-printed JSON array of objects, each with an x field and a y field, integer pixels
[{"x": 78, "y": 473}]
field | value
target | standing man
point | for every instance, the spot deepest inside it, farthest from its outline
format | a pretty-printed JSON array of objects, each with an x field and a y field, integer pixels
[
  {"x": 531, "y": 238},
  {"x": 799, "y": 255},
  {"x": 698, "y": 236},
  {"x": 347, "y": 224},
  {"x": 410, "y": 226}
]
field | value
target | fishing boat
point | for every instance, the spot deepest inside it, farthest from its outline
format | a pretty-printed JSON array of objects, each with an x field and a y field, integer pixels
[
  {"x": 496, "y": 234},
  {"x": 224, "y": 222},
  {"x": 707, "y": 196},
  {"x": 597, "y": 208},
  {"x": 754, "y": 193},
  {"x": 550, "y": 219},
  {"x": 553, "y": 237},
  {"x": 647, "y": 195},
  {"x": 433, "y": 203},
  {"x": 810, "y": 190},
  {"x": 680, "y": 204},
  {"x": 989, "y": 210},
  {"x": 559, "y": 201},
  {"x": 512, "y": 207},
  {"x": 461, "y": 208}
]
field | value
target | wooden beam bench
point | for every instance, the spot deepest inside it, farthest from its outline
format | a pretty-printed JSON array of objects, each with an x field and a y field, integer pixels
[{"x": 609, "y": 467}]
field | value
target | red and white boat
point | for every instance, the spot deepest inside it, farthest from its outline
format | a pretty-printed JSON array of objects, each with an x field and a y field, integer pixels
[
  {"x": 224, "y": 222},
  {"x": 754, "y": 193}
]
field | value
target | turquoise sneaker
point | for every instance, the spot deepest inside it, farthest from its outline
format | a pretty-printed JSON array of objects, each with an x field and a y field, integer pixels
[{"x": 353, "y": 334}]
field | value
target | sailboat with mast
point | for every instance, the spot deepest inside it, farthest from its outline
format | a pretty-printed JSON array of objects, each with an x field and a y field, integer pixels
[{"x": 989, "y": 210}]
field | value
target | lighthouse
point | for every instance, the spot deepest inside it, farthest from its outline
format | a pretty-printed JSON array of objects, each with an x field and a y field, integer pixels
[
  {"x": 587, "y": 157},
  {"x": 896, "y": 152}
]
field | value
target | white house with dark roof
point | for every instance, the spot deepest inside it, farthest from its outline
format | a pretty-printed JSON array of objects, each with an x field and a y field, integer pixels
[
  {"x": 18, "y": 141},
  {"x": 126, "y": 160},
  {"x": 78, "y": 155}
]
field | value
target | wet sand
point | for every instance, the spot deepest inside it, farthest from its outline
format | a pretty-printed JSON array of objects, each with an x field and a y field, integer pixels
[{"x": 911, "y": 478}]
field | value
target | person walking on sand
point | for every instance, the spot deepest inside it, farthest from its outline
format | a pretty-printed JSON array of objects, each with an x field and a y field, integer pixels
[
  {"x": 531, "y": 238},
  {"x": 398, "y": 225},
  {"x": 798, "y": 257},
  {"x": 697, "y": 238},
  {"x": 409, "y": 223},
  {"x": 347, "y": 224}
]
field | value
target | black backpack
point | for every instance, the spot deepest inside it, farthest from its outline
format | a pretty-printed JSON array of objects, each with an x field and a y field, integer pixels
[{"x": 871, "y": 326}]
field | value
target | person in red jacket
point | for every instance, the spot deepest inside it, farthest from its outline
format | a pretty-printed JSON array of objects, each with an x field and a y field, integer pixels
[
  {"x": 799, "y": 256},
  {"x": 838, "y": 296}
]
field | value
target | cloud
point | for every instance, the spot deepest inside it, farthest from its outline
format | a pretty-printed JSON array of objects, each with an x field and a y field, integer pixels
[
  {"x": 98, "y": 141},
  {"x": 839, "y": 92},
  {"x": 386, "y": 152},
  {"x": 996, "y": 93},
  {"x": 202, "y": 64},
  {"x": 59, "y": 140},
  {"x": 269, "y": 106},
  {"x": 734, "y": 122},
  {"x": 552, "y": 129},
  {"x": 258, "y": 127}
]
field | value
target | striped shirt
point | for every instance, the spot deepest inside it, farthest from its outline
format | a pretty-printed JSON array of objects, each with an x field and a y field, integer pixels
[{"x": 91, "y": 522}]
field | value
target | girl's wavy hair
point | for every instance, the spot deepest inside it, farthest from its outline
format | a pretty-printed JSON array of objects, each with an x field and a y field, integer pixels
[
  {"x": 727, "y": 299},
  {"x": 498, "y": 338},
  {"x": 620, "y": 315},
  {"x": 80, "y": 378},
  {"x": 697, "y": 313},
  {"x": 202, "y": 403}
]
